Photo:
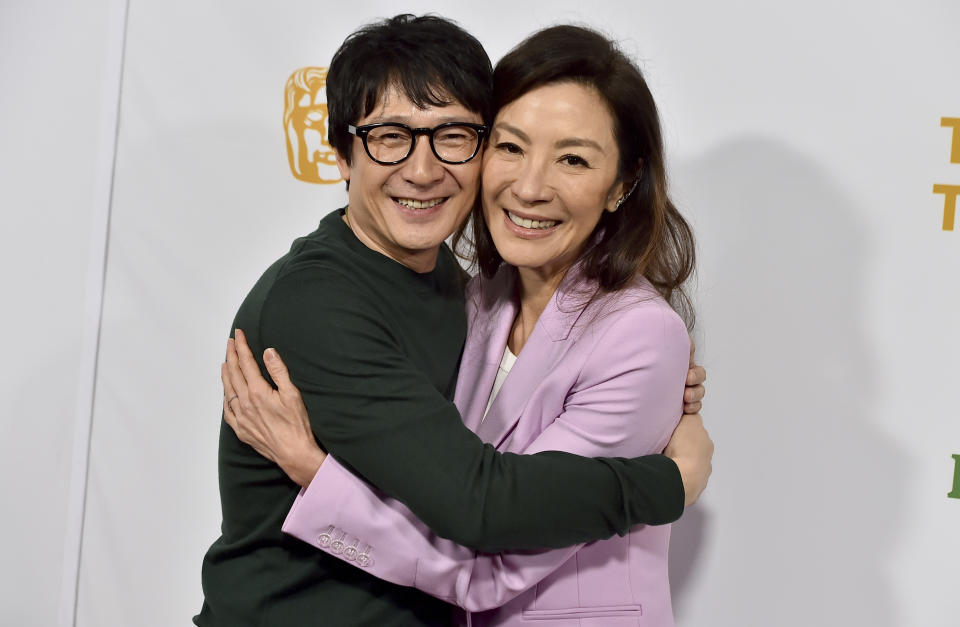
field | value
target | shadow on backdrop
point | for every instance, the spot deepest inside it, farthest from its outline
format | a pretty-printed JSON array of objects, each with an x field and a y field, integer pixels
[{"x": 802, "y": 508}]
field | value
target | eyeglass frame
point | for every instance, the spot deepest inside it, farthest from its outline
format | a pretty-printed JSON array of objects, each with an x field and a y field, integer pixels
[{"x": 362, "y": 131}]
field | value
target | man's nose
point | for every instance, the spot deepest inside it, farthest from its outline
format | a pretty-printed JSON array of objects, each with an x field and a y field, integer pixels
[{"x": 422, "y": 166}]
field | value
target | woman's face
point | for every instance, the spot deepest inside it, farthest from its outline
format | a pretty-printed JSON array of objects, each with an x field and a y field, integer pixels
[{"x": 549, "y": 173}]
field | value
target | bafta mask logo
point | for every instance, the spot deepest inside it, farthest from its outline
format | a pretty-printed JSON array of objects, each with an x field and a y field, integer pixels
[{"x": 305, "y": 125}]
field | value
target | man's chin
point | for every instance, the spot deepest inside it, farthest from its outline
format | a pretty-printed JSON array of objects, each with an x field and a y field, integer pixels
[{"x": 423, "y": 243}]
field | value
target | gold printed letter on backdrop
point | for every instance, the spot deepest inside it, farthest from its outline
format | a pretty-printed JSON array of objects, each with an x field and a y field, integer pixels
[
  {"x": 305, "y": 125},
  {"x": 950, "y": 193},
  {"x": 953, "y": 123}
]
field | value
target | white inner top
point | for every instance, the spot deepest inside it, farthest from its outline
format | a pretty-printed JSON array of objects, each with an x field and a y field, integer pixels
[{"x": 506, "y": 363}]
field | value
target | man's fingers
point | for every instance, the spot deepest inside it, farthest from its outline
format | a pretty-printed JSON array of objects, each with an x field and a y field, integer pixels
[
  {"x": 692, "y": 408},
  {"x": 691, "y": 447},
  {"x": 694, "y": 393},
  {"x": 696, "y": 375}
]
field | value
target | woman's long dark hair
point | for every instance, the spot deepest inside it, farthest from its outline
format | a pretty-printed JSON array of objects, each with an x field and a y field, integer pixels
[{"x": 646, "y": 236}]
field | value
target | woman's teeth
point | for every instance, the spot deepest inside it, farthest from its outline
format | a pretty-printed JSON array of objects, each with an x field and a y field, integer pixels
[
  {"x": 531, "y": 224},
  {"x": 419, "y": 204}
]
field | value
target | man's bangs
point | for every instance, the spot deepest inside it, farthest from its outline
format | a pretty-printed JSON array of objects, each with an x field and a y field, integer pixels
[{"x": 420, "y": 90}]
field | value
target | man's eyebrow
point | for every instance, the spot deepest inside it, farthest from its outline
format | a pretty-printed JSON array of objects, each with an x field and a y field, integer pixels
[
  {"x": 380, "y": 119},
  {"x": 405, "y": 119}
]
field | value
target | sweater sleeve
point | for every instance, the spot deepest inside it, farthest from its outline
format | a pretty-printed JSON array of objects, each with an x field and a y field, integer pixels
[
  {"x": 625, "y": 402},
  {"x": 383, "y": 420}
]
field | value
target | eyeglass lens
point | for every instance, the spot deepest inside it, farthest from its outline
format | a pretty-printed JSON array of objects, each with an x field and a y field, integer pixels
[{"x": 451, "y": 143}]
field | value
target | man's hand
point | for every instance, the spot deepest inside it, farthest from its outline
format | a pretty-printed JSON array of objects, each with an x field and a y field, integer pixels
[
  {"x": 273, "y": 422},
  {"x": 691, "y": 448},
  {"x": 693, "y": 393}
]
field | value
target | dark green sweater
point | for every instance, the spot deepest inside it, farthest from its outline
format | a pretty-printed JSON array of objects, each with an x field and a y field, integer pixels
[{"x": 374, "y": 347}]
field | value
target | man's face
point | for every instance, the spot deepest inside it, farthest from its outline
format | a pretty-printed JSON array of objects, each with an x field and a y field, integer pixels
[{"x": 406, "y": 211}]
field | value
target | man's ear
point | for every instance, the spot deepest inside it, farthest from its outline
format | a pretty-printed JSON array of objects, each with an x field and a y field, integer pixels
[{"x": 343, "y": 166}]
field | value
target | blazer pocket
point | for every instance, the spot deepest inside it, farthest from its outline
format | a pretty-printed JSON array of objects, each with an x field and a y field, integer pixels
[{"x": 600, "y": 611}]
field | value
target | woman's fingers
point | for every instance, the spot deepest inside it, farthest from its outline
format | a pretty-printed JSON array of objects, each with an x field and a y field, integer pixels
[
  {"x": 228, "y": 397},
  {"x": 235, "y": 376},
  {"x": 228, "y": 392},
  {"x": 278, "y": 372},
  {"x": 257, "y": 386}
]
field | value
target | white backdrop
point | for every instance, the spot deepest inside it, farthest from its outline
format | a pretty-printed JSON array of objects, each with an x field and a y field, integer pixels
[{"x": 804, "y": 143}]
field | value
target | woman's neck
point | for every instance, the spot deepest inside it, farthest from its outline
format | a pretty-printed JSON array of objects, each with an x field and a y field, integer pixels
[{"x": 535, "y": 291}]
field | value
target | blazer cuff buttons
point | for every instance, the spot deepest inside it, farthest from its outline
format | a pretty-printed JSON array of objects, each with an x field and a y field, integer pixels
[{"x": 335, "y": 540}]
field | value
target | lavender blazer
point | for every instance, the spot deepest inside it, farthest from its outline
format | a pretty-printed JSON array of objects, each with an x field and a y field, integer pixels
[{"x": 602, "y": 380}]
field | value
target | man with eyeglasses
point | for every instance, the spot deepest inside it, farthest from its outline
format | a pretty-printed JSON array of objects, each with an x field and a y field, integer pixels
[{"x": 367, "y": 312}]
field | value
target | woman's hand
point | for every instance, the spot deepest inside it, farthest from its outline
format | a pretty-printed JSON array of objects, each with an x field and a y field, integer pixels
[{"x": 273, "y": 422}]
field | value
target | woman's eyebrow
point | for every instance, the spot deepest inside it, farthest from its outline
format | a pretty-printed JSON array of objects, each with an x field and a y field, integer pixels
[
  {"x": 568, "y": 142},
  {"x": 578, "y": 142},
  {"x": 512, "y": 129}
]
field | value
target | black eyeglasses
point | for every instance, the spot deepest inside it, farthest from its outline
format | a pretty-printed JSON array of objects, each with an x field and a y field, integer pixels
[{"x": 390, "y": 143}]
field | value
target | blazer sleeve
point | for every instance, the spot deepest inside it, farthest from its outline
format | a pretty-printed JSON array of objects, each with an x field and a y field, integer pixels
[
  {"x": 626, "y": 400},
  {"x": 383, "y": 419}
]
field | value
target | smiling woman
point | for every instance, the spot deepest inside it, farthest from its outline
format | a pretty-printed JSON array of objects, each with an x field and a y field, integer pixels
[
  {"x": 545, "y": 186},
  {"x": 599, "y": 96}
]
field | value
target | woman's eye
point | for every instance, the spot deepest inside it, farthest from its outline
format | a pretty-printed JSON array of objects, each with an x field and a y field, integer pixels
[
  {"x": 509, "y": 147},
  {"x": 574, "y": 160}
]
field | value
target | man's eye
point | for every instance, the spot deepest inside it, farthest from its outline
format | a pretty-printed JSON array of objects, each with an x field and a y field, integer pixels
[{"x": 452, "y": 138}]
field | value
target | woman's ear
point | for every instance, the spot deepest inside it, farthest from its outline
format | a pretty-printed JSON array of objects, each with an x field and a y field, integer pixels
[{"x": 622, "y": 191}]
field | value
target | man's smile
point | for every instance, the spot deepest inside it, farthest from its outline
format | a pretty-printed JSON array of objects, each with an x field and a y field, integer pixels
[{"x": 413, "y": 203}]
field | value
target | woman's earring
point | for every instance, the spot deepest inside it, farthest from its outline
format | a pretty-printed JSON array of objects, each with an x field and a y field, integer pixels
[{"x": 623, "y": 198}]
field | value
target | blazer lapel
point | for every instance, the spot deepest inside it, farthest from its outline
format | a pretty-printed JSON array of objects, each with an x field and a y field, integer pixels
[
  {"x": 489, "y": 317},
  {"x": 549, "y": 341}
]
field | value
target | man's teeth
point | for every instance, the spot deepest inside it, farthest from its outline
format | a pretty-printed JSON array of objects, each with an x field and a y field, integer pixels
[
  {"x": 419, "y": 204},
  {"x": 531, "y": 224}
]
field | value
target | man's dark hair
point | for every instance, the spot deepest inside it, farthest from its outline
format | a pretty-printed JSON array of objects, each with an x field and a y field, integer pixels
[{"x": 430, "y": 59}]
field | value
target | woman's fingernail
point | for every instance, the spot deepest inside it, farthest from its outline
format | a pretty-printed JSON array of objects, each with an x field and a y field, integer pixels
[{"x": 270, "y": 354}]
